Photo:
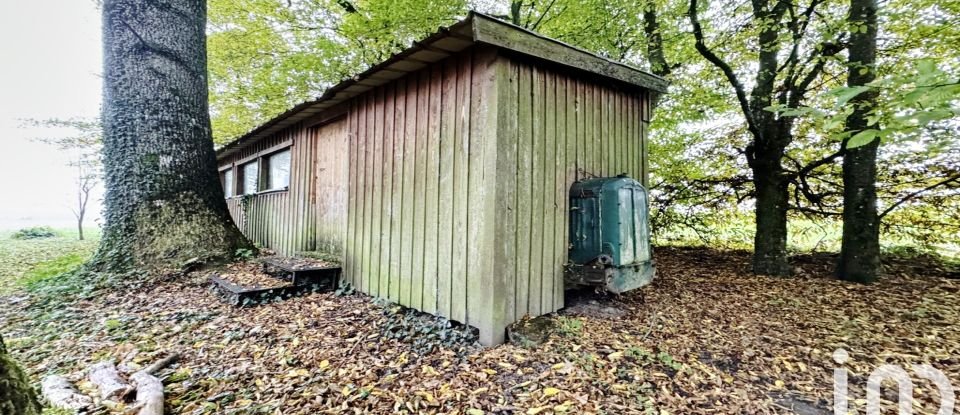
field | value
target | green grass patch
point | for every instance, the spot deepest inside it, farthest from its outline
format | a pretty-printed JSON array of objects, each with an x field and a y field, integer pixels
[
  {"x": 30, "y": 263},
  {"x": 50, "y": 269}
]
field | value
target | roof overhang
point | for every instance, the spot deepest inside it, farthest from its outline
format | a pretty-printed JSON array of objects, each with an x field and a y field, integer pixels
[{"x": 477, "y": 28}]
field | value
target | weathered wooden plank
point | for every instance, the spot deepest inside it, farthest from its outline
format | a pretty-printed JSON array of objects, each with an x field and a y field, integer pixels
[
  {"x": 524, "y": 187},
  {"x": 461, "y": 168},
  {"x": 445, "y": 227},
  {"x": 406, "y": 192},
  {"x": 351, "y": 231},
  {"x": 431, "y": 214},
  {"x": 646, "y": 105},
  {"x": 368, "y": 208},
  {"x": 537, "y": 192},
  {"x": 566, "y": 170},
  {"x": 392, "y": 208},
  {"x": 607, "y": 142},
  {"x": 506, "y": 194},
  {"x": 363, "y": 252},
  {"x": 419, "y": 189},
  {"x": 381, "y": 175},
  {"x": 550, "y": 173},
  {"x": 481, "y": 181},
  {"x": 496, "y": 33},
  {"x": 393, "y": 168}
]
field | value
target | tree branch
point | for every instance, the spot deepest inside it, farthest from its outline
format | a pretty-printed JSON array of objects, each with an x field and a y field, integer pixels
[
  {"x": 954, "y": 178},
  {"x": 727, "y": 70}
]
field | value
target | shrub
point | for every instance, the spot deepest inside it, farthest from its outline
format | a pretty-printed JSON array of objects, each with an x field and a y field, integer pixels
[{"x": 35, "y": 232}]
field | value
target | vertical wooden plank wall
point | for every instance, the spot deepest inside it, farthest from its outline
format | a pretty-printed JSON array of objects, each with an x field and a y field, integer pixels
[
  {"x": 283, "y": 220},
  {"x": 422, "y": 149},
  {"x": 554, "y": 128},
  {"x": 330, "y": 176}
]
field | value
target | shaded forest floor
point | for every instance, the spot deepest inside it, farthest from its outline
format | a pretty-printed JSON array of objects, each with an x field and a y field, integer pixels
[{"x": 705, "y": 337}]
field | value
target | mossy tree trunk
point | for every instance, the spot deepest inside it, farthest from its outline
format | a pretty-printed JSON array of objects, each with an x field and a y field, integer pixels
[
  {"x": 164, "y": 202},
  {"x": 17, "y": 397}
]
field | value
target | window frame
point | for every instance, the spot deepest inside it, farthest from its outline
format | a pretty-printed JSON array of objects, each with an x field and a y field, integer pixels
[
  {"x": 260, "y": 158},
  {"x": 265, "y": 183},
  {"x": 225, "y": 172}
]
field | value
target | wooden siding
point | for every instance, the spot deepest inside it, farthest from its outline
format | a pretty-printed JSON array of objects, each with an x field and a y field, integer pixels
[
  {"x": 330, "y": 179},
  {"x": 281, "y": 220},
  {"x": 553, "y": 128},
  {"x": 421, "y": 154},
  {"x": 446, "y": 190}
]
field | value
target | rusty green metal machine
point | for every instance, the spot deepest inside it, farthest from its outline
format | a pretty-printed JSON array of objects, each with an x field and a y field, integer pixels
[{"x": 609, "y": 235}]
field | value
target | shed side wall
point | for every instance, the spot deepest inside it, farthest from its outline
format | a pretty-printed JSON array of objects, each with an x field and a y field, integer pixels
[
  {"x": 554, "y": 128},
  {"x": 422, "y": 157}
]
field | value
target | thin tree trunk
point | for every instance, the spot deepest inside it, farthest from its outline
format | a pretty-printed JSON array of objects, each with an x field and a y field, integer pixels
[
  {"x": 860, "y": 249},
  {"x": 17, "y": 397},
  {"x": 164, "y": 205}
]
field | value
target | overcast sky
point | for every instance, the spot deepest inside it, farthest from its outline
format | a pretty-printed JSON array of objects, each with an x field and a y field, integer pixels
[{"x": 50, "y": 65}]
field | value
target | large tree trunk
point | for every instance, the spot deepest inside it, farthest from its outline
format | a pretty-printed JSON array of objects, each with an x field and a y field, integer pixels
[
  {"x": 770, "y": 239},
  {"x": 771, "y": 133},
  {"x": 860, "y": 250},
  {"x": 164, "y": 203},
  {"x": 17, "y": 397}
]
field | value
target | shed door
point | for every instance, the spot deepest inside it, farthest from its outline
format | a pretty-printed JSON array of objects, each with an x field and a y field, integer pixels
[{"x": 331, "y": 186}]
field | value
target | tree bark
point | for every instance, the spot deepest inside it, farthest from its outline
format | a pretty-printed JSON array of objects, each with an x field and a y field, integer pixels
[
  {"x": 770, "y": 134},
  {"x": 770, "y": 238},
  {"x": 17, "y": 397},
  {"x": 860, "y": 249},
  {"x": 651, "y": 29},
  {"x": 164, "y": 205}
]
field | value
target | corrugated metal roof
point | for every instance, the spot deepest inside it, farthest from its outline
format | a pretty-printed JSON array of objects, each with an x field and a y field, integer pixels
[{"x": 476, "y": 28}]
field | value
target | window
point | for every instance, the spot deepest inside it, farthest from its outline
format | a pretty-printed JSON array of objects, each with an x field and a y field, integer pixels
[
  {"x": 268, "y": 170},
  {"x": 278, "y": 170},
  {"x": 250, "y": 174},
  {"x": 226, "y": 179}
]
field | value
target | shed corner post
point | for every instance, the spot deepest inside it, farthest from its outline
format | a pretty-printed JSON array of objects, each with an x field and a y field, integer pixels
[{"x": 496, "y": 283}]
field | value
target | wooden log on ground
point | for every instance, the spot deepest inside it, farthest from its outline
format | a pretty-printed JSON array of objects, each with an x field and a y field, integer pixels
[
  {"x": 149, "y": 393},
  {"x": 162, "y": 363},
  {"x": 150, "y": 388},
  {"x": 59, "y": 393},
  {"x": 108, "y": 381}
]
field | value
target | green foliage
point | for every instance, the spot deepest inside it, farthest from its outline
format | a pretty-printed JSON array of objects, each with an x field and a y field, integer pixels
[
  {"x": 44, "y": 271},
  {"x": 267, "y": 55},
  {"x": 34, "y": 232},
  {"x": 244, "y": 254},
  {"x": 569, "y": 327}
]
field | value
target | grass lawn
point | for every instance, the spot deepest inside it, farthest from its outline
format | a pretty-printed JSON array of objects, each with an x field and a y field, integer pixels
[
  {"x": 705, "y": 337},
  {"x": 24, "y": 262}
]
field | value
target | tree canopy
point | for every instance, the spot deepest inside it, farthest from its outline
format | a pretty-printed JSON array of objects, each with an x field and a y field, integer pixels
[{"x": 266, "y": 55}]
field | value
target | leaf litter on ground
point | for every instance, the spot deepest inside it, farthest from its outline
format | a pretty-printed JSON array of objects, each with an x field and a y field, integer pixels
[{"x": 705, "y": 337}]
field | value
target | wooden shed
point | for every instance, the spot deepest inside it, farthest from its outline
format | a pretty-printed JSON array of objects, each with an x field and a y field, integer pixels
[{"x": 441, "y": 175}]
